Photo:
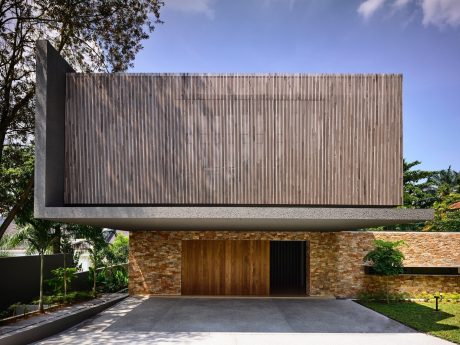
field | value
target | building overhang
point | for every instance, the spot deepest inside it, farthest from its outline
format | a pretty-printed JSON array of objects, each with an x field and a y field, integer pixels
[
  {"x": 240, "y": 218},
  {"x": 50, "y": 175}
]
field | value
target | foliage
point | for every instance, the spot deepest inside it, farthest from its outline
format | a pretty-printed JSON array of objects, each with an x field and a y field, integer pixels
[
  {"x": 386, "y": 260},
  {"x": 39, "y": 236},
  {"x": 449, "y": 222},
  {"x": 112, "y": 278},
  {"x": 17, "y": 309},
  {"x": 93, "y": 35},
  {"x": 72, "y": 297},
  {"x": 117, "y": 252},
  {"x": 430, "y": 189},
  {"x": 15, "y": 171},
  {"x": 97, "y": 246},
  {"x": 382, "y": 296},
  {"x": 445, "y": 182},
  {"x": 444, "y": 218},
  {"x": 61, "y": 275},
  {"x": 4, "y": 242},
  {"x": 416, "y": 192},
  {"x": 423, "y": 317}
]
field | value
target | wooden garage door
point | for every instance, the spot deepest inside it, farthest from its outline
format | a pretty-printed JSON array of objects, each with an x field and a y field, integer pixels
[{"x": 225, "y": 267}]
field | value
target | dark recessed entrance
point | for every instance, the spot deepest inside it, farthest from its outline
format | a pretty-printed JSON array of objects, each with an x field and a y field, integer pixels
[{"x": 288, "y": 267}]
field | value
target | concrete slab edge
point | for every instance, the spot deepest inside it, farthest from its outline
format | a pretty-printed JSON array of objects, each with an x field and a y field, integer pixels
[{"x": 52, "y": 327}]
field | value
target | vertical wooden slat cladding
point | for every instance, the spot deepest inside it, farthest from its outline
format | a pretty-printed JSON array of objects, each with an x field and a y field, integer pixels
[
  {"x": 225, "y": 267},
  {"x": 234, "y": 139}
]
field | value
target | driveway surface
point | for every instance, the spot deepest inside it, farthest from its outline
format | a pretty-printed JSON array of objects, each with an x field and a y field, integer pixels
[{"x": 240, "y": 321}]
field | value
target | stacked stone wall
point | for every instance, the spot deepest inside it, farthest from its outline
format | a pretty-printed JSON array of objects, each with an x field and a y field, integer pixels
[{"x": 335, "y": 260}]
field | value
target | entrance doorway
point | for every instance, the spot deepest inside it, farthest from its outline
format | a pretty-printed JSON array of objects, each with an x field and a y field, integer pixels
[{"x": 288, "y": 267}]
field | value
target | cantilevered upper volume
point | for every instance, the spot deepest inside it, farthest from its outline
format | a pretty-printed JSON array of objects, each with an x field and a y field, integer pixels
[{"x": 218, "y": 151}]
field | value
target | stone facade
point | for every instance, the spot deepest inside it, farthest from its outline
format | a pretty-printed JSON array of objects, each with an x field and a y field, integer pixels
[{"x": 334, "y": 261}]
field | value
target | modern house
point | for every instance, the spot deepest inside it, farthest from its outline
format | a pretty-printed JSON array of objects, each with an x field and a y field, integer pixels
[{"x": 234, "y": 184}]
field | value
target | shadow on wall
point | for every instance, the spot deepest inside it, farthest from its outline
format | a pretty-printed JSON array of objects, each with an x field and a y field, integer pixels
[{"x": 21, "y": 276}]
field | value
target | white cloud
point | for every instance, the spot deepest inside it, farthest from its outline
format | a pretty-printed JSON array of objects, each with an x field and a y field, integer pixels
[
  {"x": 369, "y": 7},
  {"x": 290, "y": 3},
  {"x": 401, "y": 3},
  {"x": 194, "y": 6},
  {"x": 441, "y": 12}
]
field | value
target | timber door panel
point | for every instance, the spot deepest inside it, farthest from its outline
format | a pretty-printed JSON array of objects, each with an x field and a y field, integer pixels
[{"x": 225, "y": 267}]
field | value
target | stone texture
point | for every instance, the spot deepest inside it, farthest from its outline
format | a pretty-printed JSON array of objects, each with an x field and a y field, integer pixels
[{"x": 335, "y": 260}]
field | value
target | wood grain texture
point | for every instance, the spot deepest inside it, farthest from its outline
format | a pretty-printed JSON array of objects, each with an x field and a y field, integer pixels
[
  {"x": 233, "y": 139},
  {"x": 225, "y": 267}
]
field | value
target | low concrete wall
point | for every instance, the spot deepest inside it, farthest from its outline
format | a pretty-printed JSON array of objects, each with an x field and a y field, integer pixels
[
  {"x": 48, "y": 328},
  {"x": 20, "y": 276}
]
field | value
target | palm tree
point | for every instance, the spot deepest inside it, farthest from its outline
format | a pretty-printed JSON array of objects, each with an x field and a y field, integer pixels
[
  {"x": 39, "y": 236},
  {"x": 445, "y": 182},
  {"x": 94, "y": 240}
]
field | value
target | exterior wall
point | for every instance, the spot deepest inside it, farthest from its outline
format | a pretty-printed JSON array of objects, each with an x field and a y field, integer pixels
[
  {"x": 420, "y": 249},
  {"x": 155, "y": 257},
  {"x": 336, "y": 267},
  {"x": 233, "y": 139}
]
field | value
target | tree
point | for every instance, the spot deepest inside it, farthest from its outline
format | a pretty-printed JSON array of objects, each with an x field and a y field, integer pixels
[
  {"x": 386, "y": 260},
  {"x": 97, "y": 247},
  {"x": 93, "y": 35},
  {"x": 39, "y": 236},
  {"x": 416, "y": 193},
  {"x": 445, "y": 218},
  {"x": 16, "y": 171},
  {"x": 445, "y": 182},
  {"x": 117, "y": 252}
]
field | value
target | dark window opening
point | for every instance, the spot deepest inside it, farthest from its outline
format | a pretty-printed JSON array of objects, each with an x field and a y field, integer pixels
[
  {"x": 441, "y": 271},
  {"x": 288, "y": 267}
]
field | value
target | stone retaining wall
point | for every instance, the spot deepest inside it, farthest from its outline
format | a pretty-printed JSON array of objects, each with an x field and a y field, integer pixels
[{"x": 335, "y": 260}]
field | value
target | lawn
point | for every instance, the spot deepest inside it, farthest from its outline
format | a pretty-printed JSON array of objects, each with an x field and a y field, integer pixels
[{"x": 422, "y": 316}]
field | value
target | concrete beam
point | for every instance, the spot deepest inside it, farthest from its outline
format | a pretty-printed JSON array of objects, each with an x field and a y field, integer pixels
[
  {"x": 50, "y": 92},
  {"x": 236, "y": 218}
]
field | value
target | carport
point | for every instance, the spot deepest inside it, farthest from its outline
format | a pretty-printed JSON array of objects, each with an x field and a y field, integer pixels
[
  {"x": 249, "y": 320},
  {"x": 261, "y": 315}
]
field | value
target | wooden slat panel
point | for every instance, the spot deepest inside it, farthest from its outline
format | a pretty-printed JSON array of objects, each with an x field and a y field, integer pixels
[
  {"x": 225, "y": 267},
  {"x": 234, "y": 139}
]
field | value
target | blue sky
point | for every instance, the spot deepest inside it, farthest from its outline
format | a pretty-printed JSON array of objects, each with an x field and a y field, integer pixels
[{"x": 419, "y": 38}]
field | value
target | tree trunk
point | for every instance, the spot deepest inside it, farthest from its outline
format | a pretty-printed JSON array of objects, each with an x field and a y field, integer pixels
[
  {"x": 94, "y": 275},
  {"x": 65, "y": 279},
  {"x": 57, "y": 240},
  {"x": 16, "y": 208},
  {"x": 2, "y": 141},
  {"x": 40, "y": 302}
]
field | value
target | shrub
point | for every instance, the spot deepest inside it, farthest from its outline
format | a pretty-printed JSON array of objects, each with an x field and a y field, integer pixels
[
  {"x": 386, "y": 260},
  {"x": 381, "y": 296},
  {"x": 72, "y": 297},
  {"x": 112, "y": 279},
  {"x": 62, "y": 279}
]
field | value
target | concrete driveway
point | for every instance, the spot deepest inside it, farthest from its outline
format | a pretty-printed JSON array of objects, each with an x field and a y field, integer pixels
[{"x": 240, "y": 321}]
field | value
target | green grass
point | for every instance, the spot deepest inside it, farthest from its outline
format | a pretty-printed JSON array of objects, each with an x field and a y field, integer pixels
[{"x": 423, "y": 317}]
